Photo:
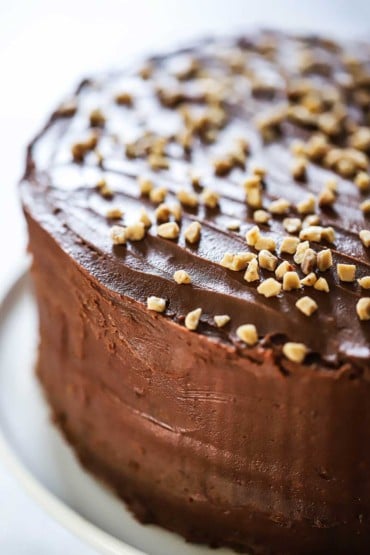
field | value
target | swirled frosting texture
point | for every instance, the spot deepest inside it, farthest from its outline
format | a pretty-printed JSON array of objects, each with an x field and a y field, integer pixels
[{"x": 173, "y": 121}]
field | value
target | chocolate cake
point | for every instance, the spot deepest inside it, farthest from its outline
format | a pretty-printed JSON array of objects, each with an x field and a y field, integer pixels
[{"x": 199, "y": 224}]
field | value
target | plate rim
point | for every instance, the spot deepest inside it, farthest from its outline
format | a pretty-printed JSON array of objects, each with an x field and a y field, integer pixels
[{"x": 50, "y": 503}]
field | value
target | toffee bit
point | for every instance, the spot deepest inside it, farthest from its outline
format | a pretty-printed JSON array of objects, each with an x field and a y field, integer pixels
[
  {"x": 135, "y": 232},
  {"x": 291, "y": 281},
  {"x": 299, "y": 169},
  {"x": 307, "y": 205},
  {"x": 326, "y": 197},
  {"x": 261, "y": 216},
  {"x": 238, "y": 261},
  {"x": 364, "y": 282},
  {"x": 267, "y": 260},
  {"x": 289, "y": 245},
  {"x": 306, "y": 305},
  {"x": 299, "y": 253},
  {"x": 321, "y": 285},
  {"x": 248, "y": 334},
  {"x": 311, "y": 220},
  {"x": 192, "y": 319},
  {"x": 252, "y": 272},
  {"x": 144, "y": 218},
  {"x": 181, "y": 277},
  {"x": 187, "y": 198},
  {"x": 253, "y": 235},
  {"x": 176, "y": 211},
  {"x": 324, "y": 260},
  {"x": 158, "y": 194},
  {"x": 124, "y": 99},
  {"x": 192, "y": 232},
  {"x": 118, "y": 235},
  {"x": 221, "y": 320},
  {"x": 265, "y": 243},
  {"x": 162, "y": 213},
  {"x": 279, "y": 206},
  {"x": 233, "y": 225},
  {"x": 210, "y": 198},
  {"x": 222, "y": 166},
  {"x": 365, "y": 206},
  {"x": 363, "y": 308},
  {"x": 169, "y": 230},
  {"x": 269, "y": 288},
  {"x": 292, "y": 225},
  {"x": 158, "y": 162},
  {"x": 311, "y": 233},
  {"x": 97, "y": 118},
  {"x": 365, "y": 237},
  {"x": 156, "y": 303},
  {"x": 309, "y": 262},
  {"x": 114, "y": 213},
  {"x": 295, "y": 352},
  {"x": 309, "y": 280},
  {"x": 362, "y": 180},
  {"x": 282, "y": 269},
  {"x": 346, "y": 272},
  {"x": 146, "y": 185}
]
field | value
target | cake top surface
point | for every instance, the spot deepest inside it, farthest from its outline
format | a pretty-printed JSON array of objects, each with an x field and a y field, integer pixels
[{"x": 230, "y": 177}]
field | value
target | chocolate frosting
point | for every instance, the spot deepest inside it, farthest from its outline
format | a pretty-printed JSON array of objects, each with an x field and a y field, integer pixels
[{"x": 61, "y": 193}]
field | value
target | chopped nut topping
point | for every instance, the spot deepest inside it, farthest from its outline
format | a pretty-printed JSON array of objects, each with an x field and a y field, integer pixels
[
  {"x": 221, "y": 320},
  {"x": 309, "y": 280},
  {"x": 114, "y": 213},
  {"x": 324, "y": 260},
  {"x": 210, "y": 198},
  {"x": 169, "y": 230},
  {"x": 158, "y": 194},
  {"x": 180, "y": 276},
  {"x": 332, "y": 184},
  {"x": 104, "y": 188},
  {"x": 289, "y": 245},
  {"x": 238, "y": 261},
  {"x": 158, "y": 162},
  {"x": 280, "y": 206},
  {"x": 162, "y": 213},
  {"x": 321, "y": 285},
  {"x": 176, "y": 211},
  {"x": 156, "y": 303},
  {"x": 187, "y": 198},
  {"x": 362, "y": 180},
  {"x": 192, "y": 232},
  {"x": 144, "y": 218},
  {"x": 145, "y": 185},
  {"x": 282, "y": 269},
  {"x": 267, "y": 260},
  {"x": 365, "y": 206},
  {"x": 252, "y": 182},
  {"x": 254, "y": 197},
  {"x": 259, "y": 170},
  {"x": 261, "y": 216},
  {"x": 299, "y": 168},
  {"x": 135, "y": 232},
  {"x": 124, "y": 99},
  {"x": 364, "y": 282},
  {"x": 296, "y": 352},
  {"x": 118, "y": 235},
  {"x": 192, "y": 319},
  {"x": 222, "y": 166},
  {"x": 328, "y": 234},
  {"x": 365, "y": 237},
  {"x": 269, "y": 288},
  {"x": 248, "y": 334},
  {"x": 363, "y": 308},
  {"x": 291, "y": 281},
  {"x": 80, "y": 149},
  {"x": 298, "y": 148},
  {"x": 300, "y": 250},
  {"x": 311, "y": 220},
  {"x": 326, "y": 197},
  {"x": 308, "y": 263},
  {"x": 346, "y": 272},
  {"x": 234, "y": 225},
  {"x": 265, "y": 243},
  {"x": 292, "y": 225},
  {"x": 252, "y": 272},
  {"x": 306, "y": 305},
  {"x": 253, "y": 235},
  {"x": 307, "y": 205},
  {"x": 97, "y": 118},
  {"x": 311, "y": 233}
]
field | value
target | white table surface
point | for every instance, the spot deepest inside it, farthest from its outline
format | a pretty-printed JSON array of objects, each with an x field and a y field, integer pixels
[{"x": 45, "y": 47}]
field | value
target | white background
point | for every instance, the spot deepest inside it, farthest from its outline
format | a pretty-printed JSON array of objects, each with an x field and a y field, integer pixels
[{"x": 45, "y": 48}]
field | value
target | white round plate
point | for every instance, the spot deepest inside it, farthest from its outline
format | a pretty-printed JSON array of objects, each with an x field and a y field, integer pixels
[{"x": 44, "y": 463}]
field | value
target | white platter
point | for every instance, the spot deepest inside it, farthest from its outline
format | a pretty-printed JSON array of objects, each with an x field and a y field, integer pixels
[{"x": 44, "y": 463}]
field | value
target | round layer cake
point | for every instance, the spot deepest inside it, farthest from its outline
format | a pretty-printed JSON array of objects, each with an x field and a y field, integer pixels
[{"x": 199, "y": 225}]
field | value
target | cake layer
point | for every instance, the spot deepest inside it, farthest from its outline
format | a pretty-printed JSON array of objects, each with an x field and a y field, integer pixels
[{"x": 217, "y": 377}]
